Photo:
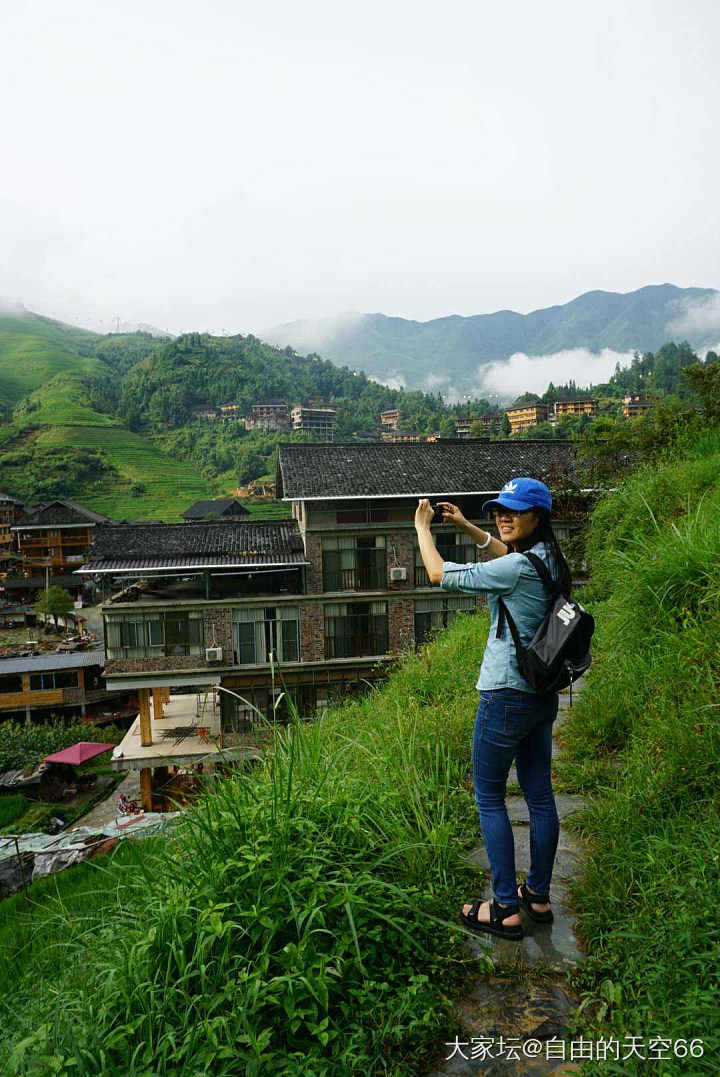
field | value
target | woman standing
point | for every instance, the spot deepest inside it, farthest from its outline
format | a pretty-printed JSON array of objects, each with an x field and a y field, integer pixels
[{"x": 513, "y": 721}]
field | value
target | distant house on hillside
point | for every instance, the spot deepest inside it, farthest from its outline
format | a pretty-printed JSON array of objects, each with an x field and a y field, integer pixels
[
  {"x": 272, "y": 415},
  {"x": 636, "y": 404},
  {"x": 319, "y": 421},
  {"x": 10, "y": 512},
  {"x": 218, "y": 507},
  {"x": 525, "y": 416}
]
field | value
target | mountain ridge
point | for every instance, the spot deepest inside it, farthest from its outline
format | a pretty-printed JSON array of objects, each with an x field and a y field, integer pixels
[{"x": 453, "y": 348}]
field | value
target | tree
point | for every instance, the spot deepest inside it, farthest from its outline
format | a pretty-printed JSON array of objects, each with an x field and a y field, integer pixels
[{"x": 55, "y": 602}]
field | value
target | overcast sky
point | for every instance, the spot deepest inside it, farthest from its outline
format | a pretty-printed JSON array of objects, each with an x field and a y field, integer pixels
[{"x": 228, "y": 165}]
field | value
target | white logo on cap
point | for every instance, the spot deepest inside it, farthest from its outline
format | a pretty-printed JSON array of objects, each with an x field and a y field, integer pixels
[{"x": 509, "y": 488}]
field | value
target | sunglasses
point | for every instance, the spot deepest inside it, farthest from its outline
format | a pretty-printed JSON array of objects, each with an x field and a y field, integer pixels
[{"x": 510, "y": 512}]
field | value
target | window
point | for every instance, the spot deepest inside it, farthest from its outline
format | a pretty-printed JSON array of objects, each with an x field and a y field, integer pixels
[
  {"x": 452, "y": 546},
  {"x": 153, "y": 635},
  {"x": 354, "y": 563},
  {"x": 353, "y": 630},
  {"x": 432, "y": 614},
  {"x": 261, "y": 631},
  {"x": 11, "y": 682},
  {"x": 59, "y": 678},
  {"x": 362, "y": 516}
]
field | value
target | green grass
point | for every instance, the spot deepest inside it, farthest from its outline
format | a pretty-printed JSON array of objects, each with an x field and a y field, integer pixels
[
  {"x": 11, "y": 809},
  {"x": 33, "y": 350},
  {"x": 62, "y": 402},
  {"x": 303, "y": 920},
  {"x": 645, "y": 739}
]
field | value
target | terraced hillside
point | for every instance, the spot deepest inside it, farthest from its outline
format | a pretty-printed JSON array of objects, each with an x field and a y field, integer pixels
[
  {"x": 33, "y": 350},
  {"x": 163, "y": 487}
]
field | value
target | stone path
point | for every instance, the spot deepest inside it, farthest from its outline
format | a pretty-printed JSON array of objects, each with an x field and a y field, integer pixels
[
  {"x": 106, "y": 811},
  {"x": 528, "y": 998}
]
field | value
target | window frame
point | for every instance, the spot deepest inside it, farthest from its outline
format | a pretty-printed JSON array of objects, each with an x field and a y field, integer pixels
[
  {"x": 266, "y": 639},
  {"x": 351, "y": 615}
]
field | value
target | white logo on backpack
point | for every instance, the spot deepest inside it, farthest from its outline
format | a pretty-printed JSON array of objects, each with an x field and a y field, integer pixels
[{"x": 566, "y": 613}]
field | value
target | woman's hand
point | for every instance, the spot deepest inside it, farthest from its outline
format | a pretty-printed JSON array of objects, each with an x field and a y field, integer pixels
[
  {"x": 452, "y": 515},
  {"x": 424, "y": 513}
]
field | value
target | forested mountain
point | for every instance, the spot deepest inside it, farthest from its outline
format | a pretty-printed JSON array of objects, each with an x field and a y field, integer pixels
[
  {"x": 111, "y": 420},
  {"x": 197, "y": 369},
  {"x": 453, "y": 348}
]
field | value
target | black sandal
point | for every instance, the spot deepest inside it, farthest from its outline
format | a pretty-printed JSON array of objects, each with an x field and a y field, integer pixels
[
  {"x": 527, "y": 896},
  {"x": 495, "y": 925}
]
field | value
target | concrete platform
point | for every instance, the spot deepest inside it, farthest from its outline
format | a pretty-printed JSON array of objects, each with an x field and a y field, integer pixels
[{"x": 176, "y": 738}]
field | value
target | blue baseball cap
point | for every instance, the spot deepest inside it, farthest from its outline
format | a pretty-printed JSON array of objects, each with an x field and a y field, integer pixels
[{"x": 522, "y": 494}]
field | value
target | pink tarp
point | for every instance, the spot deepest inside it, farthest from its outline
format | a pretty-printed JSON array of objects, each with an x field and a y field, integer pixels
[{"x": 79, "y": 753}]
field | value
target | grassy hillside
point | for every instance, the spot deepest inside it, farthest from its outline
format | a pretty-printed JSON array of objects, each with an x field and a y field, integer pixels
[
  {"x": 299, "y": 923},
  {"x": 645, "y": 739},
  {"x": 34, "y": 349},
  {"x": 151, "y": 486}
]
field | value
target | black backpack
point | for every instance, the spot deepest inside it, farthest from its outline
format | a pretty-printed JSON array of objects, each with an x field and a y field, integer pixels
[{"x": 559, "y": 652}]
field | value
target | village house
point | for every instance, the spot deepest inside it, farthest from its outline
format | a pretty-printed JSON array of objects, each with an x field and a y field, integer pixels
[
  {"x": 52, "y": 540},
  {"x": 568, "y": 408},
  {"x": 273, "y": 415},
  {"x": 525, "y": 416},
  {"x": 636, "y": 404},
  {"x": 490, "y": 424},
  {"x": 231, "y": 618},
  {"x": 217, "y": 507},
  {"x": 48, "y": 683},
  {"x": 318, "y": 421}
]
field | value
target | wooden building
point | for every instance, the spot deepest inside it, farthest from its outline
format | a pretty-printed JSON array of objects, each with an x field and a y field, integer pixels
[
  {"x": 525, "y": 416},
  {"x": 53, "y": 540}
]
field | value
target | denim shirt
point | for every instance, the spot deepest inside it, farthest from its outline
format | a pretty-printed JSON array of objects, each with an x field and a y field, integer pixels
[{"x": 526, "y": 597}]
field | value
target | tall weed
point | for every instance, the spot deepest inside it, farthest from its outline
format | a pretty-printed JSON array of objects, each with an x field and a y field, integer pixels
[{"x": 648, "y": 895}]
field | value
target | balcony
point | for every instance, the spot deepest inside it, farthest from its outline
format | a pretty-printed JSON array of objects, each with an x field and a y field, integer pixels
[{"x": 363, "y": 578}]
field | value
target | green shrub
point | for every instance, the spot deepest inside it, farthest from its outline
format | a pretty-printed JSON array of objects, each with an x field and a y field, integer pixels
[{"x": 25, "y": 744}]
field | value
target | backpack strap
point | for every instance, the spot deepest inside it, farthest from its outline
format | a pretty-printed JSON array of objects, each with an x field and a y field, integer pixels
[
  {"x": 544, "y": 573},
  {"x": 504, "y": 613}
]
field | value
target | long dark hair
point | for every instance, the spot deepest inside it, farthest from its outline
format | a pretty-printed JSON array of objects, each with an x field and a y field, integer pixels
[{"x": 544, "y": 533}]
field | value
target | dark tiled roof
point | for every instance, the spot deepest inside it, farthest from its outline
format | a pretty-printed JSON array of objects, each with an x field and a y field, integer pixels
[
  {"x": 385, "y": 469},
  {"x": 207, "y": 544},
  {"x": 61, "y": 512},
  {"x": 220, "y": 506},
  {"x": 36, "y": 662}
]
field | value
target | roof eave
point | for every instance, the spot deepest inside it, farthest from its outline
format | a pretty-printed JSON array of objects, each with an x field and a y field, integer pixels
[{"x": 188, "y": 568}]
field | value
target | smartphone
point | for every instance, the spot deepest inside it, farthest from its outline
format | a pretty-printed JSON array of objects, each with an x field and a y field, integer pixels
[{"x": 437, "y": 515}]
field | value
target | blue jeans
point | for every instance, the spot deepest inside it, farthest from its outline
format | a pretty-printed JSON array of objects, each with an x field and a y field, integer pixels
[{"x": 515, "y": 725}]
